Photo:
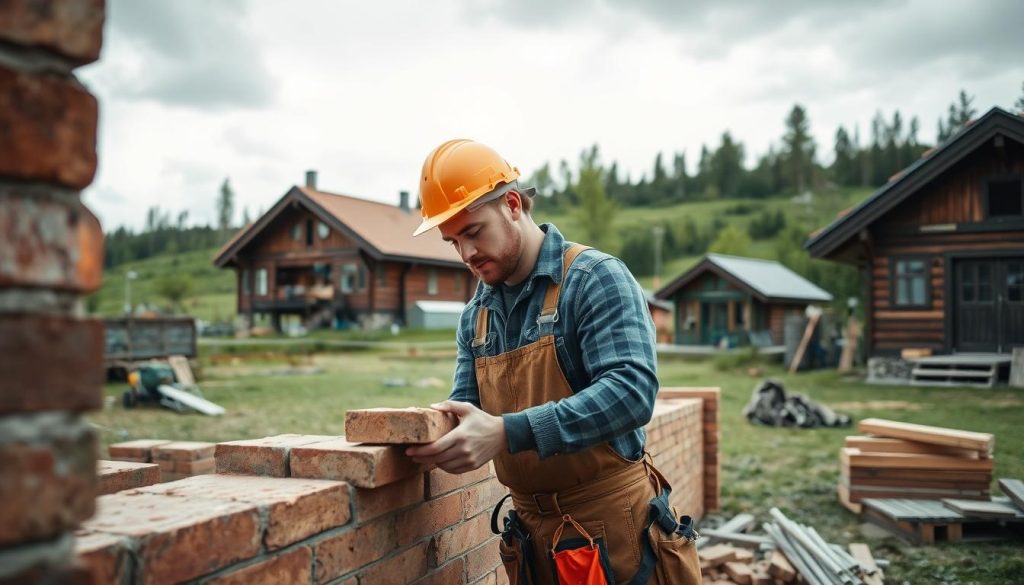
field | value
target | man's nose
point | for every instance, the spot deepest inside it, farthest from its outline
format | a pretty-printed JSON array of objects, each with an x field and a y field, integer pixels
[{"x": 467, "y": 251}]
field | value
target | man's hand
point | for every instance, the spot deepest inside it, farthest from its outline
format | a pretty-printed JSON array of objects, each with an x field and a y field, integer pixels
[{"x": 478, "y": 439}]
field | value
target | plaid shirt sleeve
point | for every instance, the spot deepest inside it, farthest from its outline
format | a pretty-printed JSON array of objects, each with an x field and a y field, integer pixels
[{"x": 616, "y": 337}]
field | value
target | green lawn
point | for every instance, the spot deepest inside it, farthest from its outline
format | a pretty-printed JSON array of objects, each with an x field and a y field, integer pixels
[{"x": 761, "y": 467}]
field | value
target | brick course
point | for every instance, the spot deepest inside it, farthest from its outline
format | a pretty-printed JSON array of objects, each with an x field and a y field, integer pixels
[{"x": 397, "y": 425}]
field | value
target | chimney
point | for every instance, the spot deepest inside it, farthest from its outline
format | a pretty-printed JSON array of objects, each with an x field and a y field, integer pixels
[
  {"x": 311, "y": 179},
  {"x": 403, "y": 201}
]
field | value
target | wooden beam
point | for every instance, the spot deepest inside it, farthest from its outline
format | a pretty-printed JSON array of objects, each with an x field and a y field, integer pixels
[
  {"x": 808, "y": 333},
  {"x": 982, "y": 442}
]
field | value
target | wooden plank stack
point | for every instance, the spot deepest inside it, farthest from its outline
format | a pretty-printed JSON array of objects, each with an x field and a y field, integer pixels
[{"x": 905, "y": 460}]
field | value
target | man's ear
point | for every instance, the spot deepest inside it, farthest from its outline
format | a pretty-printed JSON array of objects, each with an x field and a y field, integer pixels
[{"x": 514, "y": 202}]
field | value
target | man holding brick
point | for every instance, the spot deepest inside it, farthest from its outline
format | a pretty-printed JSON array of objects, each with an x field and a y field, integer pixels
[{"x": 555, "y": 378}]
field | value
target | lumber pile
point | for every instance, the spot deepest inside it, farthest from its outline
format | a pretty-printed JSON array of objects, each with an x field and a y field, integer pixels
[
  {"x": 789, "y": 552},
  {"x": 911, "y": 461}
]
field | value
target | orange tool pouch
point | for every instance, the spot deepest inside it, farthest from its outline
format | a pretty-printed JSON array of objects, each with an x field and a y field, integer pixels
[{"x": 579, "y": 561}]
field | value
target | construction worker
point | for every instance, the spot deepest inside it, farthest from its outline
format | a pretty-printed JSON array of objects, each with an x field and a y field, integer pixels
[{"x": 554, "y": 380}]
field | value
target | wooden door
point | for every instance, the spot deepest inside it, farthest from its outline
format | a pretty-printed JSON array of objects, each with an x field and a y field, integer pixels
[{"x": 989, "y": 304}]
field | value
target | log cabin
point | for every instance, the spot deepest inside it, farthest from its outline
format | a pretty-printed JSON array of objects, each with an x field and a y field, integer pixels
[
  {"x": 941, "y": 246},
  {"x": 734, "y": 298},
  {"x": 336, "y": 259}
]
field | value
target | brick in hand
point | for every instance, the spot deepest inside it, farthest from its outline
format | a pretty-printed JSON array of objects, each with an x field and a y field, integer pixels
[{"x": 397, "y": 425}]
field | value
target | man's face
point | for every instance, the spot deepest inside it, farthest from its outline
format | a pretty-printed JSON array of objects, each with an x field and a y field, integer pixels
[{"x": 488, "y": 241}]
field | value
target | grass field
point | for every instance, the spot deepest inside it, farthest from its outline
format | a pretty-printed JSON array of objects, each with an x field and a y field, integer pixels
[{"x": 762, "y": 467}]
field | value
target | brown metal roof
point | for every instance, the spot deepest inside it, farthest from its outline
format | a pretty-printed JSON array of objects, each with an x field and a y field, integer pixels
[{"x": 383, "y": 230}]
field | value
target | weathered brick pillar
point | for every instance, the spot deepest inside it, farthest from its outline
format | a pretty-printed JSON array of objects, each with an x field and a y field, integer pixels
[{"x": 51, "y": 253}]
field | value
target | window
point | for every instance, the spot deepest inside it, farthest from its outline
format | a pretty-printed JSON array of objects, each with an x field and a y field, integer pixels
[
  {"x": 349, "y": 278},
  {"x": 322, "y": 230},
  {"x": 361, "y": 277},
  {"x": 382, "y": 275},
  {"x": 296, "y": 232},
  {"x": 432, "y": 281},
  {"x": 246, "y": 284},
  {"x": 1005, "y": 198},
  {"x": 309, "y": 232},
  {"x": 459, "y": 281},
  {"x": 910, "y": 282},
  {"x": 1015, "y": 282},
  {"x": 261, "y": 282}
]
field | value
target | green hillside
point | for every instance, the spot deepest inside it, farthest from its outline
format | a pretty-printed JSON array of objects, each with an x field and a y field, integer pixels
[{"x": 213, "y": 290}]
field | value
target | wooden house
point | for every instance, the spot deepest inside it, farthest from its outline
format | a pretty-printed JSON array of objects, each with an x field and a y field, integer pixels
[
  {"x": 326, "y": 257},
  {"x": 738, "y": 299},
  {"x": 941, "y": 246}
]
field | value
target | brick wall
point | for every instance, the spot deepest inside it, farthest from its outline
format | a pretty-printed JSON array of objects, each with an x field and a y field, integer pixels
[
  {"x": 50, "y": 256},
  {"x": 320, "y": 509}
]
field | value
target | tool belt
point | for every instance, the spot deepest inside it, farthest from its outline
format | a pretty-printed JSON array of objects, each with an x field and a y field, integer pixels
[{"x": 583, "y": 560}]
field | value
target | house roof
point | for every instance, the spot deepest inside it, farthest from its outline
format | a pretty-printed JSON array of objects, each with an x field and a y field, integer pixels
[
  {"x": 384, "y": 231},
  {"x": 908, "y": 181},
  {"x": 765, "y": 279}
]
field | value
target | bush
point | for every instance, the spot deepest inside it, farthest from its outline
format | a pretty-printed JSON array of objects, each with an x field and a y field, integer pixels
[{"x": 739, "y": 359}]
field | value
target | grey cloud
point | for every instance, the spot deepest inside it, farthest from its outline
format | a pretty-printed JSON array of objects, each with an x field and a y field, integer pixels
[{"x": 195, "y": 54}]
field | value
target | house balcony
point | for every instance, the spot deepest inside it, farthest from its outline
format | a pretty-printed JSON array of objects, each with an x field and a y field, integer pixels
[{"x": 297, "y": 297}]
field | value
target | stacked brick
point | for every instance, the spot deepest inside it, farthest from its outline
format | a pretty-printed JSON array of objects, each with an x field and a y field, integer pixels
[
  {"x": 50, "y": 256},
  {"x": 710, "y": 398},
  {"x": 175, "y": 459},
  {"x": 324, "y": 509},
  {"x": 116, "y": 476}
]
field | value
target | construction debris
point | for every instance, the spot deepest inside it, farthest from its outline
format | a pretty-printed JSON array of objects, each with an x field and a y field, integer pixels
[
  {"x": 909, "y": 461},
  {"x": 771, "y": 405},
  {"x": 789, "y": 553}
]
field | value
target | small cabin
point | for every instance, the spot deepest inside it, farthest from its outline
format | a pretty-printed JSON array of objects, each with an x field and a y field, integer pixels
[
  {"x": 333, "y": 259},
  {"x": 731, "y": 300},
  {"x": 941, "y": 246}
]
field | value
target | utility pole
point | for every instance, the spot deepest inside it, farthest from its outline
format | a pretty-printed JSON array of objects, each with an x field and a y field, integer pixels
[
  {"x": 659, "y": 233},
  {"x": 128, "y": 278}
]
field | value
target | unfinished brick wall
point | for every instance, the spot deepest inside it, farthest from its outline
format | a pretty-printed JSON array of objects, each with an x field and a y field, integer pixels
[
  {"x": 50, "y": 256},
  {"x": 320, "y": 509}
]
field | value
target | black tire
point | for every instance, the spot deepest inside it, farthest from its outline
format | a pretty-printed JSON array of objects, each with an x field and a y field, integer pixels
[{"x": 128, "y": 399}]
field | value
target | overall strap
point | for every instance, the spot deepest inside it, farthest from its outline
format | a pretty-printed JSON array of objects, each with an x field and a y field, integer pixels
[
  {"x": 481, "y": 326},
  {"x": 549, "y": 314}
]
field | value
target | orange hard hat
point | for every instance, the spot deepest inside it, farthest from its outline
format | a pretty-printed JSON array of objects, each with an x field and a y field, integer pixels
[{"x": 456, "y": 174}]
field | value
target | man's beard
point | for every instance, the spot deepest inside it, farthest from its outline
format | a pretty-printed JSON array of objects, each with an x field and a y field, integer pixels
[{"x": 505, "y": 263}]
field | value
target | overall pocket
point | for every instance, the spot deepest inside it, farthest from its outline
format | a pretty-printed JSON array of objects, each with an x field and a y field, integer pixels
[
  {"x": 511, "y": 554},
  {"x": 677, "y": 557},
  {"x": 580, "y": 560}
]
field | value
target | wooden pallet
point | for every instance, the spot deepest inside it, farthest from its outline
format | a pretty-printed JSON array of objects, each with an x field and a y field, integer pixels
[{"x": 925, "y": 522}]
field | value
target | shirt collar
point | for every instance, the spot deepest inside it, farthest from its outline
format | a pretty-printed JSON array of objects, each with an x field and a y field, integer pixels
[{"x": 549, "y": 263}]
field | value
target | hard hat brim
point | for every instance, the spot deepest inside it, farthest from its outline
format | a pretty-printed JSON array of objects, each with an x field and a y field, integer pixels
[{"x": 432, "y": 222}]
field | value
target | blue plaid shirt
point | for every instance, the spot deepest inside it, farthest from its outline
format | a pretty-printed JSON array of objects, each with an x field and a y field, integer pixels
[{"x": 604, "y": 338}]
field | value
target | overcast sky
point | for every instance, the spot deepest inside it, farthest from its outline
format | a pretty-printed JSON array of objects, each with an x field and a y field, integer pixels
[{"x": 193, "y": 91}]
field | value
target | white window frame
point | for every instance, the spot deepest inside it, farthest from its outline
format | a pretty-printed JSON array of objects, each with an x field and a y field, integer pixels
[
  {"x": 349, "y": 271},
  {"x": 432, "y": 281},
  {"x": 262, "y": 287}
]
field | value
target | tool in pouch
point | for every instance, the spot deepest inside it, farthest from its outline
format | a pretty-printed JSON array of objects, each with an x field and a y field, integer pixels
[{"x": 582, "y": 557}]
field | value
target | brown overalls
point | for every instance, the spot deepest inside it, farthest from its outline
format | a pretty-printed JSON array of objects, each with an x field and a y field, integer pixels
[{"x": 606, "y": 493}]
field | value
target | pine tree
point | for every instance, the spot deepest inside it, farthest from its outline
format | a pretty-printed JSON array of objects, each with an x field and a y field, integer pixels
[
  {"x": 225, "y": 207},
  {"x": 798, "y": 149},
  {"x": 596, "y": 212},
  {"x": 679, "y": 177},
  {"x": 843, "y": 170},
  {"x": 727, "y": 166},
  {"x": 1020, "y": 101}
]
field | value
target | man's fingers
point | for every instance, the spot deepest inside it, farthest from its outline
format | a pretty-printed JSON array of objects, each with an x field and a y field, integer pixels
[{"x": 459, "y": 409}]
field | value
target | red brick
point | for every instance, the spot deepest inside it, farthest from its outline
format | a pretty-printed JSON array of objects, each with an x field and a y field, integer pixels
[
  {"x": 49, "y": 124},
  {"x": 137, "y": 449},
  {"x": 441, "y": 482},
  {"x": 428, "y": 519},
  {"x": 266, "y": 456},
  {"x": 291, "y": 567},
  {"x": 454, "y": 573},
  {"x": 350, "y": 550},
  {"x": 28, "y": 347},
  {"x": 73, "y": 29},
  {"x": 488, "y": 579},
  {"x": 456, "y": 541},
  {"x": 46, "y": 490},
  {"x": 404, "y": 567},
  {"x": 105, "y": 556},
  {"x": 397, "y": 425},
  {"x": 500, "y": 576},
  {"x": 168, "y": 476},
  {"x": 483, "y": 559},
  {"x": 482, "y": 497},
  {"x": 184, "y": 451},
  {"x": 195, "y": 467},
  {"x": 179, "y": 538},
  {"x": 115, "y": 476},
  {"x": 296, "y": 508},
  {"x": 365, "y": 466},
  {"x": 370, "y": 503}
]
